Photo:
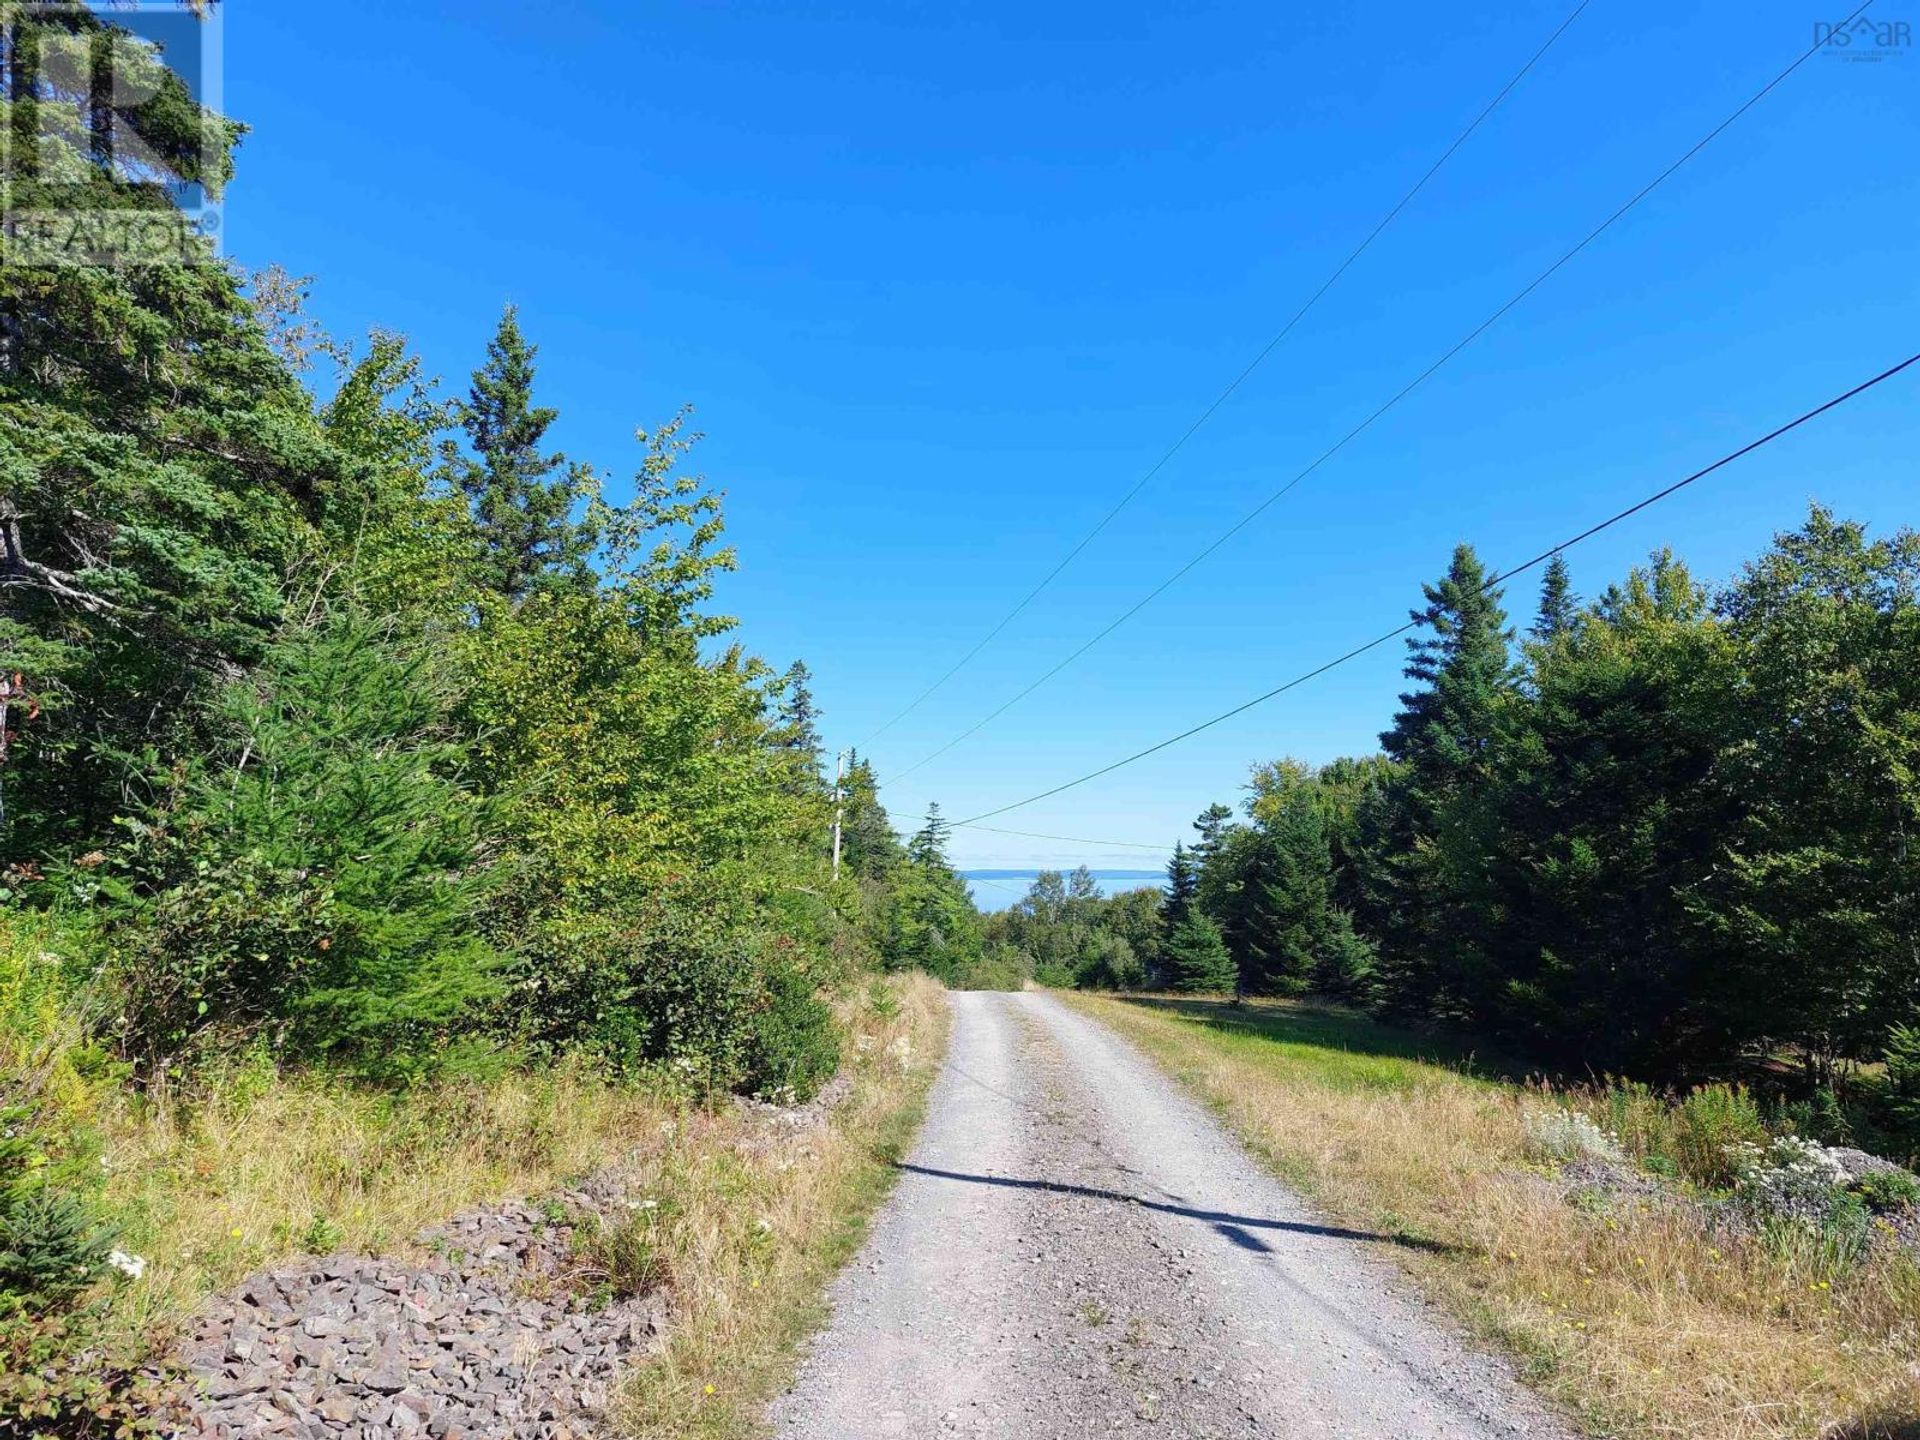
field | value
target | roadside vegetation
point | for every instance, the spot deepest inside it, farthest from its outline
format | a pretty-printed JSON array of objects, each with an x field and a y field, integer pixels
[
  {"x": 751, "y": 1228},
  {"x": 1668, "y": 834},
  {"x": 1662, "y": 1268},
  {"x": 391, "y": 818}
]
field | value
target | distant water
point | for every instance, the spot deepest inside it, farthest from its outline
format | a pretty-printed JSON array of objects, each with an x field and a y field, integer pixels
[{"x": 997, "y": 889}]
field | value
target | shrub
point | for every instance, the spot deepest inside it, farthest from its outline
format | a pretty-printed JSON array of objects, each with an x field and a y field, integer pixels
[
  {"x": 1001, "y": 967},
  {"x": 1710, "y": 1122},
  {"x": 52, "y": 1243},
  {"x": 794, "y": 1046},
  {"x": 1887, "y": 1190},
  {"x": 316, "y": 876},
  {"x": 679, "y": 982},
  {"x": 1903, "y": 1084},
  {"x": 1689, "y": 1138},
  {"x": 1107, "y": 962}
]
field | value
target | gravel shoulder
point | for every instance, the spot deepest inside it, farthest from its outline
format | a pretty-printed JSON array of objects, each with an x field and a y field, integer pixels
[{"x": 1076, "y": 1248}]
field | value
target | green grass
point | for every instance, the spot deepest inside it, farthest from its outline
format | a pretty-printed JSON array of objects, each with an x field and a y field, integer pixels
[
  {"x": 1639, "y": 1318},
  {"x": 1335, "y": 1047}
]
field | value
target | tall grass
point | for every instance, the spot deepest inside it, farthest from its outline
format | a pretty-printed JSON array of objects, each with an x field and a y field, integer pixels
[
  {"x": 1638, "y": 1317},
  {"x": 753, "y": 1208},
  {"x": 750, "y": 1224}
]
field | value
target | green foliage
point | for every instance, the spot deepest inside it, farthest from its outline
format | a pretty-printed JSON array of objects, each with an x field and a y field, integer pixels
[
  {"x": 522, "y": 500},
  {"x": 1066, "y": 933},
  {"x": 1196, "y": 958},
  {"x": 53, "y": 1243},
  {"x": 1815, "y": 900},
  {"x": 1000, "y": 967},
  {"x": 793, "y": 1047},
  {"x": 931, "y": 923},
  {"x": 1888, "y": 1190},
  {"x": 1675, "y": 842},
  {"x": 365, "y": 734},
  {"x": 1902, "y": 1057},
  {"x": 316, "y": 872}
]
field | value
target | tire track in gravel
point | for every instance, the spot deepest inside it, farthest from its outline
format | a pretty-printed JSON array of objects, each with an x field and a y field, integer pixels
[{"x": 1075, "y": 1248}]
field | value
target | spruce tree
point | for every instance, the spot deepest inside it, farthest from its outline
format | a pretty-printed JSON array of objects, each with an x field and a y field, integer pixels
[
  {"x": 1442, "y": 739},
  {"x": 1183, "y": 885},
  {"x": 522, "y": 498},
  {"x": 796, "y": 730},
  {"x": 1196, "y": 959},
  {"x": 1558, "y": 604},
  {"x": 869, "y": 848}
]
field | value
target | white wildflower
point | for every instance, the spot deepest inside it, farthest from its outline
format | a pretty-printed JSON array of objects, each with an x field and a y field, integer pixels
[
  {"x": 130, "y": 1265},
  {"x": 1565, "y": 1134}
]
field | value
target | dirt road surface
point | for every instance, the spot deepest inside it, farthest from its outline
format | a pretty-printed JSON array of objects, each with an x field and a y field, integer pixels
[{"x": 1076, "y": 1248}]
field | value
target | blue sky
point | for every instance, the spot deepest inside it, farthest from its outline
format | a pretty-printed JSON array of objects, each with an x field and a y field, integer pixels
[{"x": 943, "y": 281}]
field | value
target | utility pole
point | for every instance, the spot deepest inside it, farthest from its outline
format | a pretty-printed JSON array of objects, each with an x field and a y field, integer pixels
[{"x": 839, "y": 768}]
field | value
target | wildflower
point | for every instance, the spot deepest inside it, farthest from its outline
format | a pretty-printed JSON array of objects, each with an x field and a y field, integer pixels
[
  {"x": 234, "y": 1233},
  {"x": 709, "y": 1389},
  {"x": 133, "y": 1266}
]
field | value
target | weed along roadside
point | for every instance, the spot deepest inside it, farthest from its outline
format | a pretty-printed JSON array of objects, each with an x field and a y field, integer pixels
[
  {"x": 516, "y": 1259},
  {"x": 1643, "y": 1262},
  {"x": 758, "y": 1242}
]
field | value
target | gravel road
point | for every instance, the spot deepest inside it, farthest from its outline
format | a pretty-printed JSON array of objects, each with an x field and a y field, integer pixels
[{"x": 1075, "y": 1248}]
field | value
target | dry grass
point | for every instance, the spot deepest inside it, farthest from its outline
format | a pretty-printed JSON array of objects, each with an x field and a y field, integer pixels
[
  {"x": 1633, "y": 1316},
  {"x": 756, "y": 1221},
  {"x": 753, "y": 1215},
  {"x": 264, "y": 1166}
]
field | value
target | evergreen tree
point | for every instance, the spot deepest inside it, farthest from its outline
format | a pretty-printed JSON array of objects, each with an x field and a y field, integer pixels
[
  {"x": 1604, "y": 817},
  {"x": 1183, "y": 887},
  {"x": 1298, "y": 936},
  {"x": 868, "y": 846},
  {"x": 522, "y": 499},
  {"x": 797, "y": 727},
  {"x": 1221, "y": 860},
  {"x": 1817, "y": 900},
  {"x": 161, "y": 469},
  {"x": 934, "y": 925},
  {"x": 1433, "y": 901},
  {"x": 1558, "y": 604},
  {"x": 1196, "y": 959},
  {"x": 928, "y": 847}
]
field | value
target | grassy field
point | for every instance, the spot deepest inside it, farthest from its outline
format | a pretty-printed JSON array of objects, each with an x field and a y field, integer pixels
[{"x": 1635, "y": 1317}]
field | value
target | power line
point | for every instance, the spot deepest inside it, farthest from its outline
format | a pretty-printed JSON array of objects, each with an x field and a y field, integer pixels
[
  {"x": 1072, "y": 839},
  {"x": 1492, "y": 581},
  {"x": 1367, "y": 423},
  {"x": 1238, "y": 380}
]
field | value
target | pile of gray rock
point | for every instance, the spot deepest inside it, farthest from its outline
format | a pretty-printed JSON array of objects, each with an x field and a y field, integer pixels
[{"x": 486, "y": 1334}]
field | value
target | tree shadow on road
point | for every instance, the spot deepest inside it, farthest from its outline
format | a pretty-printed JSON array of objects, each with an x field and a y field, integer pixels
[{"x": 1237, "y": 1229}]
